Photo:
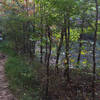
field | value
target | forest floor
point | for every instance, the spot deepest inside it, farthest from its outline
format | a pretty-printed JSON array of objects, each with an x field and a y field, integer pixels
[
  {"x": 5, "y": 93},
  {"x": 27, "y": 80}
]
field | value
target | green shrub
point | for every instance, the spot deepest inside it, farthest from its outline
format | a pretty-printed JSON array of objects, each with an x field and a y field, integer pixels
[{"x": 22, "y": 76}]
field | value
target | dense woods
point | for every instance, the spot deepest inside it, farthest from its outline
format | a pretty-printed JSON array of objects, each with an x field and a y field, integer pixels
[{"x": 62, "y": 37}]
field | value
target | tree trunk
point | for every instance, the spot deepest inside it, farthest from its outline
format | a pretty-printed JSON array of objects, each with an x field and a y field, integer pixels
[
  {"x": 94, "y": 50},
  {"x": 59, "y": 50},
  {"x": 34, "y": 45},
  {"x": 34, "y": 42},
  {"x": 46, "y": 48},
  {"x": 80, "y": 45},
  {"x": 24, "y": 39},
  {"x": 27, "y": 7},
  {"x": 41, "y": 50},
  {"x": 67, "y": 36},
  {"x": 48, "y": 63},
  {"x": 41, "y": 35}
]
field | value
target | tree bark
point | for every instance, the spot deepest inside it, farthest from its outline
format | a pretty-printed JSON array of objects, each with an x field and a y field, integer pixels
[
  {"x": 27, "y": 7},
  {"x": 80, "y": 43},
  {"x": 94, "y": 51},
  {"x": 41, "y": 35},
  {"x": 67, "y": 36},
  {"x": 46, "y": 48},
  {"x": 59, "y": 50},
  {"x": 34, "y": 42},
  {"x": 41, "y": 51},
  {"x": 48, "y": 63}
]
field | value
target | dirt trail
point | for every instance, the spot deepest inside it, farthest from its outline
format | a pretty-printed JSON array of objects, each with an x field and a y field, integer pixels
[{"x": 5, "y": 93}]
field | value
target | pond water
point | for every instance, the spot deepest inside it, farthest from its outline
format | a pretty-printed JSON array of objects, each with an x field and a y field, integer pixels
[
  {"x": 86, "y": 54},
  {"x": 1, "y": 38}
]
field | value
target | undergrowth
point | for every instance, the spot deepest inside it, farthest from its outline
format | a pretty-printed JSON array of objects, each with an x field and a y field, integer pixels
[{"x": 22, "y": 76}]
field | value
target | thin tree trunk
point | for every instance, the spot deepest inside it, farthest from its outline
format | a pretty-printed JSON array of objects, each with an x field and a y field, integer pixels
[
  {"x": 41, "y": 36},
  {"x": 48, "y": 63},
  {"x": 79, "y": 53},
  {"x": 24, "y": 39},
  {"x": 34, "y": 8},
  {"x": 41, "y": 49},
  {"x": 27, "y": 35},
  {"x": 80, "y": 45},
  {"x": 34, "y": 42},
  {"x": 94, "y": 50},
  {"x": 27, "y": 6},
  {"x": 27, "y": 39},
  {"x": 34, "y": 45},
  {"x": 16, "y": 44},
  {"x": 67, "y": 36},
  {"x": 59, "y": 50},
  {"x": 46, "y": 48},
  {"x": 30, "y": 49}
]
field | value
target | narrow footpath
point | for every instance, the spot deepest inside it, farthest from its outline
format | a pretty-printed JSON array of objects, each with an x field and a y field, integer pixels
[{"x": 5, "y": 93}]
